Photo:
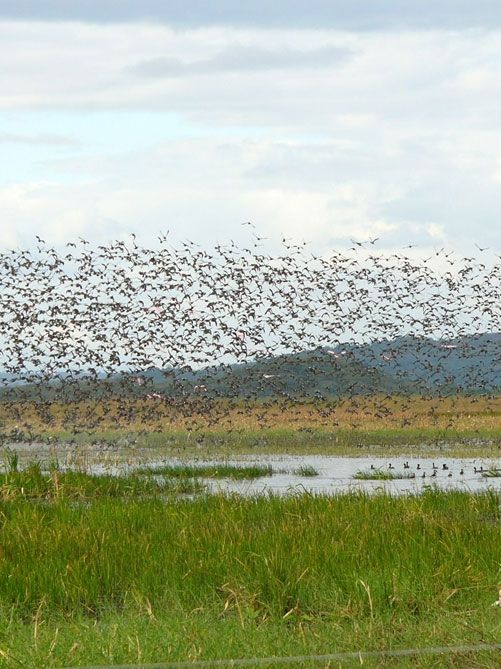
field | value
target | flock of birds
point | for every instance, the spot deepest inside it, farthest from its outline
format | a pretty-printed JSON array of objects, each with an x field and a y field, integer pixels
[
  {"x": 435, "y": 469},
  {"x": 185, "y": 327}
]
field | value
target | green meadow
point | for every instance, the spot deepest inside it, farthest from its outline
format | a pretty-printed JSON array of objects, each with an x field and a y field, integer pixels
[{"x": 140, "y": 574}]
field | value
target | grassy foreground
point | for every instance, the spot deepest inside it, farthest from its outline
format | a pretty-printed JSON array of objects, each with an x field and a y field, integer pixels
[{"x": 150, "y": 580}]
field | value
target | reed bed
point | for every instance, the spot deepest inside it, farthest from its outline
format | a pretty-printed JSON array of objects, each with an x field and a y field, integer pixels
[
  {"x": 455, "y": 415},
  {"x": 217, "y": 471},
  {"x": 222, "y": 576},
  {"x": 223, "y": 444},
  {"x": 33, "y": 483}
]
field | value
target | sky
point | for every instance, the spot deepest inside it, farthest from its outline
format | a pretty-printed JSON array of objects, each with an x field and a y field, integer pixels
[{"x": 325, "y": 121}]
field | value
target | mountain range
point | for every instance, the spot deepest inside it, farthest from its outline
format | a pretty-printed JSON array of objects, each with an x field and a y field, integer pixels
[{"x": 406, "y": 364}]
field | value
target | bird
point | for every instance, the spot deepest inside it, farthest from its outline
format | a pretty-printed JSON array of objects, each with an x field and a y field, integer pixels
[{"x": 213, "y": 331}]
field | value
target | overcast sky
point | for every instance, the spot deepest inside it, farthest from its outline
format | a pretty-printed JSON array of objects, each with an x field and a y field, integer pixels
[{"x": 324, "y": 120}]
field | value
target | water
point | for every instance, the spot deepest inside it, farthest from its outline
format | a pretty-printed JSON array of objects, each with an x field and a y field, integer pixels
[{"x": 335, "y": 473}]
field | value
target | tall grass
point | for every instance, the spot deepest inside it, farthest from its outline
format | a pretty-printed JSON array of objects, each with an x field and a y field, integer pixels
[
  {"x": 446, "y": 416},
  {"x": 301, "y": 556},
  {"x": 218, "y": 576},
  {"x": 33, "y": 483}
]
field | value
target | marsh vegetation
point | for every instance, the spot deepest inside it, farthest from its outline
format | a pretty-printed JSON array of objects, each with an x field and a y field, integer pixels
[{"x": 168, "y": 578}]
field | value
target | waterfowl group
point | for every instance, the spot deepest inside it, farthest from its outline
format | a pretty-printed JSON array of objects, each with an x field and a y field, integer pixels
[{"x": 435, "y": 469}]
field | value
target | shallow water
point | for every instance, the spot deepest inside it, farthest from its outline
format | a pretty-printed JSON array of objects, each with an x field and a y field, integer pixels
[{"x": 335, "y": 473}]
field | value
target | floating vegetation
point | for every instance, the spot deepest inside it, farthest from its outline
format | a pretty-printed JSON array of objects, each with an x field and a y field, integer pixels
[
  {"x": 382, "y": 475},
  {"x": 306, "y": 471},
  {"x": 492, "y": 473},
  {"x": 215, "y": 471}
]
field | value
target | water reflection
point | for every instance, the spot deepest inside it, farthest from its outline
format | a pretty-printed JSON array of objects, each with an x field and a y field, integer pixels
[{"x": 336, "y": 474}]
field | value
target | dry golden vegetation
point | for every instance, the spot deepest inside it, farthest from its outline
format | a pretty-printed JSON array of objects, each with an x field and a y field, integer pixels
[
  {"x": 370, "y": 413},
  {"x": 342, "y": 426}
]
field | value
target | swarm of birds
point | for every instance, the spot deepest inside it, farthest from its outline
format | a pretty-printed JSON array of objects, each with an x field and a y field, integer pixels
[{"x": 209, "y": 331}]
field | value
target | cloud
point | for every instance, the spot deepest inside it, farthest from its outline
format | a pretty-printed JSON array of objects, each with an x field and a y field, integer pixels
[
  {"x": 324, "y": 134},
  {"x": 38, "y": 140},
  {"x": 204, "y": 189},
  {"x": 339, "y": 14},
  {"x": 243, "y": 58}
]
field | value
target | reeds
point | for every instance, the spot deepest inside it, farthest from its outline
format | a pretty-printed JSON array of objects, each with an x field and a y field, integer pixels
[
  {"x": 435, "y": 417},
  {"x": 218, "y": 471},
  {"x": 275, "y": 555},
  {"x": 111, "y": 581}
]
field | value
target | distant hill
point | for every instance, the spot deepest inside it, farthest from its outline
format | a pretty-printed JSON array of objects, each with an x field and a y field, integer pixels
[
  {"x": 469, "y": 362},
  {"x": 403, "y": 365}
]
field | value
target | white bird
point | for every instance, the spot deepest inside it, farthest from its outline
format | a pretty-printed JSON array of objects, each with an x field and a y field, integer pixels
[{"x": 337, "y": 354}]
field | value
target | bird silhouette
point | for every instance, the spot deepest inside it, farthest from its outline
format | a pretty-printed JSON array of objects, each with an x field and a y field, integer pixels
[{"x": 208, "y": 334}]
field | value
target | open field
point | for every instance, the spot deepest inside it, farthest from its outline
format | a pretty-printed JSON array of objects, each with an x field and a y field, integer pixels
[
  {"x": 460, "y": 425},
  {"x": 109, "y": 581}
]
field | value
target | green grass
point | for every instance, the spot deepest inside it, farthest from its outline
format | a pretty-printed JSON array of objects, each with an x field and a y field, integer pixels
[
  {"x": 218, "y": 471},
  {"x": 222, "y": 576},
  {"x": 485, "y": 442},
  {"x": 492, "y": 473},
  {"x": 306, "y": 471},
  {"x": 334, "y": 441},
  {"x": 34, "y": 484},
  {"x": 382, "y": 475}
]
